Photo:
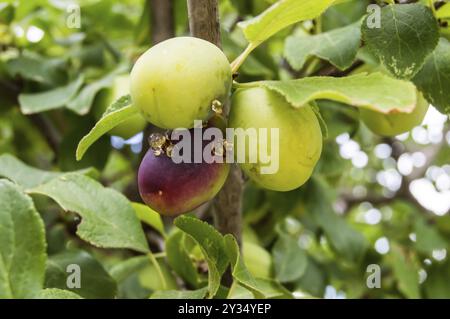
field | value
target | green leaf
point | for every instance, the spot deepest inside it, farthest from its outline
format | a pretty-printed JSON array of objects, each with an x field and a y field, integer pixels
[
  {"x": 108, "y": 220},
  {"x": 212, "y": 246},
  {"x": 157, "y": 276},
  {"x": 149, "y": 216},
  {"x": 179, "y": 259},
  {"x": 36, "y": 68},
  {"x": 375, "y": 92},
  {"x": 55, "y": 293},
  {"x": 257, "y": 259},
  {"x": 81, "y": 104},
  {"x": 343, "y": 239},
  {"x": 443, "y": 12},
  {"x": 26, "y": 176},
  {"x": 436, "y": 285},
  {"x": 117, "y": 113},
  {"x": 271, "y": 288},
  {"x": 427, "y": 237},
  {"x": 239, "y": 270},
  {"x": 405, "y": 272},
  {"x": 289, "y": 259},
  {"x": 180, "y": 294},
  {"x": 126, "y": 268},
  {"x": 434, "y": 78},
  {"x": 31, "y": 103},
  {"x": 408, "y": 34},
  {"x": 313, "y": 279},
  {"x": 343, "y": 14},
  {"x": 95, "y": 282},
  {"x": 253, "y": 65},
  {"x": 97, "y": 158},
  {"x": 6, "y": 13},
  {"x": 239, "y": 292},
  {"x": 22, "y": 248},
  {"x": 339, "y": 47},
  {"x": 281, "y": 15}
]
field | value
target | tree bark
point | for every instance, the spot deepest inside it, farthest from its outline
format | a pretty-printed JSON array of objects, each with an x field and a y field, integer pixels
[
  {"x": 162, "y": 19},
  {"x": 204, "y": 20},
  {"x": 204, "y": 23},
  {"x": 228, "y": 205},
  {"x": 227, "y": 212}
]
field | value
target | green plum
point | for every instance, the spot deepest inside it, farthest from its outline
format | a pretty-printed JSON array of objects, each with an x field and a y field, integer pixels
[
  {"x": 395, "y": 123},
  {"x": 106, "y": 97},
  {"x": 176, "y": 81},
  {"x": 299, "y": 142}
]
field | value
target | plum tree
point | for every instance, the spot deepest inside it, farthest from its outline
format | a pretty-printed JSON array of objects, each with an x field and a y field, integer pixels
[
  {"x": 395, "y": 123},
  {"x": 173, "y": 188},
  {"x": 176, "y": 82},
  {"x": 300, "y": 137},
  {"x": 120, "y": 87}
]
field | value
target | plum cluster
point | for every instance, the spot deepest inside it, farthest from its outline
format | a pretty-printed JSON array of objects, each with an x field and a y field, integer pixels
[
  {"x": 183, "y": 80},
  {"x": 173, "y": 84}
]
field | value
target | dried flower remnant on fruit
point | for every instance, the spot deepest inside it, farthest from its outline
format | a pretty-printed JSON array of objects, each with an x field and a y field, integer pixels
[
  {"x": 217, "y": 107},
  {"x": 157, "y": 151},
  {"x": 157, "y": 140},
  {"x": 169, "y": 150}
]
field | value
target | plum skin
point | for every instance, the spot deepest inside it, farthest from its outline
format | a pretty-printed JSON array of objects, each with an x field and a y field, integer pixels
[
  {"x": 120, "y": 87},
  {"x": 176, "y": 81},
  {"x": 172, "y": 189},
  {"x": 397, "y": 123},
  {"x": 300, "y": 136}
]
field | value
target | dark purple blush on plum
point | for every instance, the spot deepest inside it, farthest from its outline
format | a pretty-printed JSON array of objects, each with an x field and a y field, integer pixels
[{"x": 173, "y": 189}]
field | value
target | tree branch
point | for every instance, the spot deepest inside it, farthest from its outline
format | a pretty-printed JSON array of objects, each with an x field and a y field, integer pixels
[
  {"x": 162, "y": 19},
  {"x": 204, "y": 23},
  {"x": 204, "y": 20}
]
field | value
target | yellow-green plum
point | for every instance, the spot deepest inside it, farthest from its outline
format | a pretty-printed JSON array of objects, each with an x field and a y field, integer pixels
[
  {"x": 120, "y": 87},
  {"x": 395, "y": 123},
  {"x": 299, "y": 142},
  {"x": 176, "y": 81}
]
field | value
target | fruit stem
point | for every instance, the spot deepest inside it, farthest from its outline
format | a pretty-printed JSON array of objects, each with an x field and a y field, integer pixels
[
  {"x": 236, "y": 64},
  {"x": 247, "y": 85},
  {"x": 432, "y": 7}
]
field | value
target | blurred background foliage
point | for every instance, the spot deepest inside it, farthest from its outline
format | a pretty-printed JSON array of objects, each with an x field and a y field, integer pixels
[{"x": 372, "y": 200}]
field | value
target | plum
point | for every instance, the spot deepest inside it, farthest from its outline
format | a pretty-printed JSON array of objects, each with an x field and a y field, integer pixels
[
  {"x": 172, "y": 188},
  {"x": 178, "y": 80},
  {"x": 395, "y": 123},
  {"x": 300, "y": 137},
  {"x": 120, "y": 87}
]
